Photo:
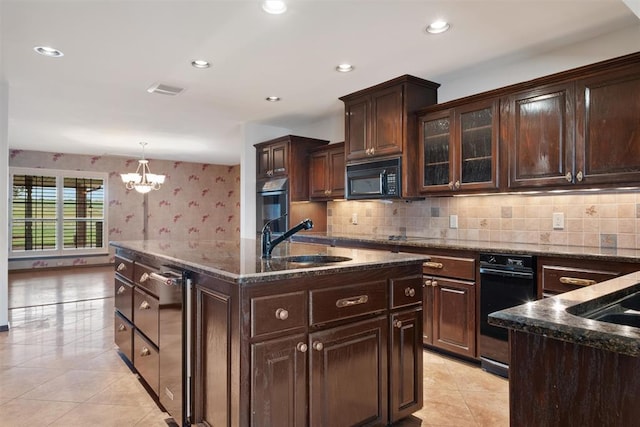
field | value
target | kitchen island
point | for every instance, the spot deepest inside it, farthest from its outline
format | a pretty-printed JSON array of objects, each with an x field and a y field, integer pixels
[
  {"x": 568, "y": 369},
  {"x": 289, "y": 341}
]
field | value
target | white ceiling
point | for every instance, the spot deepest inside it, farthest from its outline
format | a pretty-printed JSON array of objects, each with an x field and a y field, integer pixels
[{"x": 94, "y": 100}]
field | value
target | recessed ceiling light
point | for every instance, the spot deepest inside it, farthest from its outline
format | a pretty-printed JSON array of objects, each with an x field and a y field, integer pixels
[
  {"x": 344, "y": 68},
  {"x": 48, "y": 51},
  {"x": 438, "y": 27},
  {"x": 274, "y": 7},
  {"x": 273, "y": 98},
  {"x": 200, "y": 63}
]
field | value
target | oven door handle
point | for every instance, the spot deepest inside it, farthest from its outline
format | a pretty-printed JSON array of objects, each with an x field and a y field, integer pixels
[{"x": 506, "y": 273}]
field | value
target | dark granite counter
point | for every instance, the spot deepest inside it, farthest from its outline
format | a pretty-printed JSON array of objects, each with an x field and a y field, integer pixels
[
  {"x": 240, "y": 262},
  {"x": 552, "y": 317},
  {"x": 406, "y": 243}
]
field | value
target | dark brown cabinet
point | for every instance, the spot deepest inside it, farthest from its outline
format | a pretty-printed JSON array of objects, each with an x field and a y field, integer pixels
[
  {"x": 380, "y": 122},
  {"x": 458, "y": 147},
  {"x": 327, "y": 173},
  {"x": 450, "y": 305},
  {"x": 406, "y": 368},
  {"x": 287, "y": 156}
]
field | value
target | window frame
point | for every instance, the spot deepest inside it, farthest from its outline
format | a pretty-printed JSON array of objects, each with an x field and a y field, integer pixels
[{"x": 60, "y": 250}]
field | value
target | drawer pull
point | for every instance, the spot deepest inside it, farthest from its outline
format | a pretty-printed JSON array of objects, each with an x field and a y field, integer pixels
[
  {"x": 122, "y": 328},
  {"x": 282, "y": 314},
  {"x": 302, "y": 347},
  {"x": 121, "y": 289},
  {"x": 409, "y": 292},
  {"x": 318, "y": 346},
  {"x": 576, "y": 281},
  {"x": 427, "y": 282},
  {"x": 434, "y": 283},
  {"x": 145, "y": 352},
  {"x": 348, "y": 302},
  {"x": 397, "y": 324},
  {"x": 145, "y": 306},
  {"x": 121, "y": 267},
  {"x": 145, "y": 276},
  {"x": 437, "y": 265}
]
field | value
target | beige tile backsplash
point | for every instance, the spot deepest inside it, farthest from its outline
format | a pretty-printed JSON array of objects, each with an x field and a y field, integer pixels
[{"x": 590, "y": 219}]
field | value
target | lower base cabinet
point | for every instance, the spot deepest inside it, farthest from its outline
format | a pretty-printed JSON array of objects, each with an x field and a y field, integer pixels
[
  {"x": 454, "y": 311},
  {"x": 146, "y": 360},
  {"x": 406, "y": 363}
]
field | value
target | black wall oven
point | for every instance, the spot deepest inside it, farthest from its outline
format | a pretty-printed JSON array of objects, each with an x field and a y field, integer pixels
[
  {"x": 505, "y": 281},
  {"x": 272, "y": 201}
]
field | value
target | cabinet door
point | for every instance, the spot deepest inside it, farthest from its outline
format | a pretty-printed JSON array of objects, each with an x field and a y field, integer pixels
[
  {"x": 357, "y": 128},
  {"x": 318, "y": 174},
  {"x": 541, "y": 136},
  {"x": 337, "y": 173},
  {"x": 279, "y": 157},
  {"x": 406, "y": 363},
  {"x": 278, "y": 382},
  {"x": 607, "y": 130},
  {"x": 349, "y": 364},
  {"x": 427, "y": 306},
  {"x": 387, "y": 120},
  {"x": 454, "y": 316},
  {"x": 476, "y": 136},
  {"x": 263, "y": 162},
  {"x": 436, "y": 152}
]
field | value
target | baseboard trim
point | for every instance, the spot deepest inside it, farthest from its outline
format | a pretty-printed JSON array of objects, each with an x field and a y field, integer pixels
[{"x": 4, "y": 328}]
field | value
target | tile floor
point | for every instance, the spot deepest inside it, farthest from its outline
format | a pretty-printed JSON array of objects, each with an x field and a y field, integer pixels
[{"x": 59, "y": 367}]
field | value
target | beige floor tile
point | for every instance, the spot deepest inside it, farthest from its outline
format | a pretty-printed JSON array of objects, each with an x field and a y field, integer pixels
[
  {"x": 488, "y": 409},
  {"x": 155, "y": 418},
  {"x": 109, "y": 360},
  {"x": 437, "y": 376},
  {"x": 24, "y": 412},
  {"x": 96, "y": 415},
  {"x": 125, "y": 391},
  {"x": 17, "y": 381},
  {"x": 17, "y": 354},
  {"x": 471, "y": 377},
  {"x": 65, "y": 357},
  {"x": 446, "y": 408},
  {"x": 74, "y": 386}
]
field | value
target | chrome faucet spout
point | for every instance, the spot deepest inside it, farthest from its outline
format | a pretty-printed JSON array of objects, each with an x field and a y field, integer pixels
[{"x": 268, "y": 244}]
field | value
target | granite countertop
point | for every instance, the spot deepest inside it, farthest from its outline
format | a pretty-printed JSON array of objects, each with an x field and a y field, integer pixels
[
  {"x": 239, "y": 261},
  {"x": 405, "y": 243},
  {"x": 552, "y": 317}
]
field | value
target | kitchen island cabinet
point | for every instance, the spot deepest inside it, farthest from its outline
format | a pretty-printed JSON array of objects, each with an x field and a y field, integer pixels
[{"x": 275, "y": 342}]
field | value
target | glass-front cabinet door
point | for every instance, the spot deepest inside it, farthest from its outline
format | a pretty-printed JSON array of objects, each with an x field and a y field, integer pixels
[
  {"x": 436, "y": 151},
  {"x": 458, "y": 148}
]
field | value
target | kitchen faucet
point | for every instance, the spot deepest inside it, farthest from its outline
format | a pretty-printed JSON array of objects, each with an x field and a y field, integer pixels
[{"x": 268, "y": 244}]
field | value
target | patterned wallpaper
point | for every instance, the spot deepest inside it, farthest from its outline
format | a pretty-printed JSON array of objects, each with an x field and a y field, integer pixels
[{"x": 197, "y": 201}]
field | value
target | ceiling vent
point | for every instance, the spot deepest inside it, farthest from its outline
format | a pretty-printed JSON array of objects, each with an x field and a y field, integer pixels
[{"x": 164, "y": 89}]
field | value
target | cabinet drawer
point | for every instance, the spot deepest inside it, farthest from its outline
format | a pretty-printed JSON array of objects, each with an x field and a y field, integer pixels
[
  {"x": 278, "y": 313},
  {"x": 124, "y": 267},
  {"x": 457, "y": 268},
  {"x": 142, "y": 277},
  {"x": 123, "y": 335},
  {"x": 558, "y": 279},
  {"x": 145, "y": 313},
  {"x": 123, "y": 293},
  {"x": 146, "y": 361},
  {"x": 406, "y": 291},
  {"x": 347, "y": 301}
]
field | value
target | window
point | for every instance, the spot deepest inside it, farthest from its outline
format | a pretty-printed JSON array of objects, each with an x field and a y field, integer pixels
[{"x": 55, "y": 212}]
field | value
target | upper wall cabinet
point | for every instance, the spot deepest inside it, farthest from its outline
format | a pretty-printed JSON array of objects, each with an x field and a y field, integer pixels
[
  {"x": 538, "y": 125},
  {"x": 327, "y": 172},
  {"x": 380, "y": 122},
  {"x": 608, "y": 127},
  {"x": 458, "y": 147},
  {"x": 287, "y": 156}
]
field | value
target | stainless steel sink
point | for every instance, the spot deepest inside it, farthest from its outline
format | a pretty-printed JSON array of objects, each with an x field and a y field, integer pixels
[
  {"x": 314, "y": 259},
  {"x": 622, "y": 319},
  {"x": 624, "y": 310}
]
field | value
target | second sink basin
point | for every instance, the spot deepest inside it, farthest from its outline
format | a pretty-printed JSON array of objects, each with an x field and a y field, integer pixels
[
  {"x": 315, "y": 259},
  {"x": 621, "y": 319}
]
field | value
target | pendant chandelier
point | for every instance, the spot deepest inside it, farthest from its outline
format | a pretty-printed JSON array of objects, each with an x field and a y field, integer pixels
[{"x": 142, "y": 180}]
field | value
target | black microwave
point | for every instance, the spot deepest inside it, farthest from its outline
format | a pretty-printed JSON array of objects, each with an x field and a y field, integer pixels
[{"x": 375, "y": 180}]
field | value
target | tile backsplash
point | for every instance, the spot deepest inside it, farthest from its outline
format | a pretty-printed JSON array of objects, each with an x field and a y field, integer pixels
[{"x": 609, "y": 220}]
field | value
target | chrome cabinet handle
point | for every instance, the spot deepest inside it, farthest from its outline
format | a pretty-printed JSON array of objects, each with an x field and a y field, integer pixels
[
  {"x": 576, "y": 281},
  {"x": 569, "y": 177},
  {"x": 317, "y": 346},
  {"x": 409, "y": 292},
  {"x": 282, "y": 314},
  {"x": 437, "y": 265},
  {"x": 121, "y": 267},
  {"x": 145, "y": 276},
  {"x": 348, "y": 302},
  {"x": 145, "y": 305},
  {"x": 302, "y": 347},
  {"x": 121, "y": 290},
  {"x": 122, "y": 328},
  {"x": 145, "y": 352},
  {"x": 579, "y": 176}
]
